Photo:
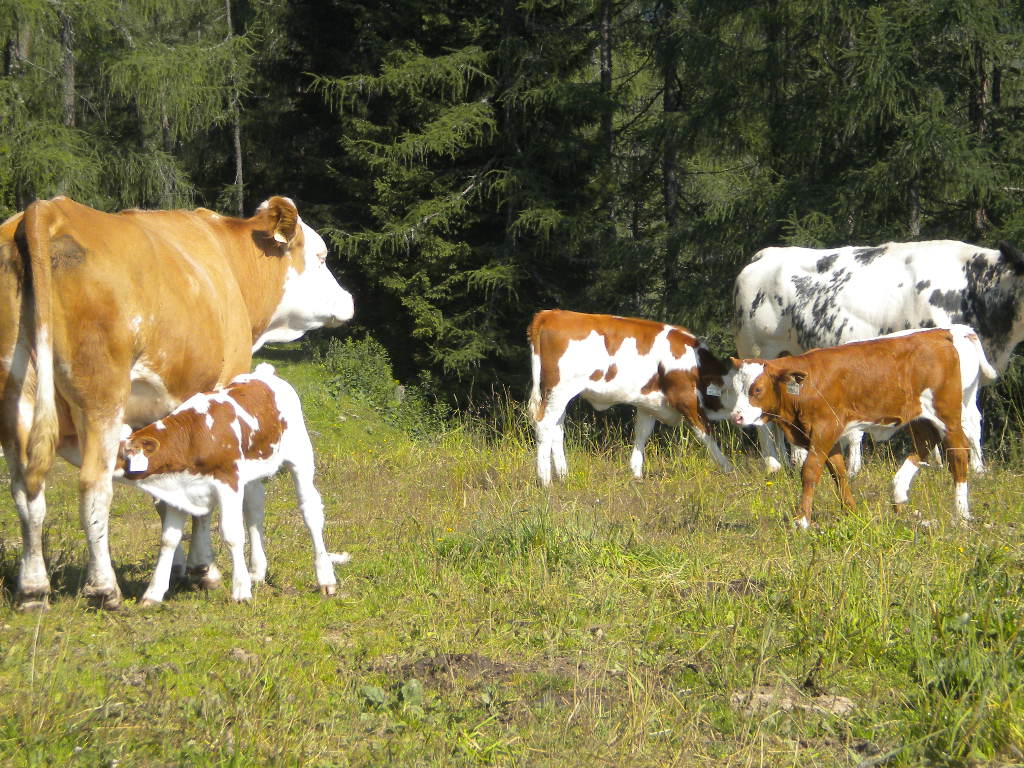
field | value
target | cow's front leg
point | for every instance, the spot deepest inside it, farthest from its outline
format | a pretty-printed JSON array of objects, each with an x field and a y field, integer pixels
[
  {"x": 837, "y": 466},
  {"x": 200, "y": 566},
  {"x": 809, "y": 476},
  {"x": 172, "y": 522},
  {"x": 177, "y": 572},
  {"x": 95, "y": 487}
]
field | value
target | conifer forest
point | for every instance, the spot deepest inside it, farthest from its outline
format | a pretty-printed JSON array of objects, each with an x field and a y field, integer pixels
[{"x": 472, "y": 162}]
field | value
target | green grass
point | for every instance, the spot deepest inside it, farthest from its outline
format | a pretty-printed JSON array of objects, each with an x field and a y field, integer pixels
[{"x": 486, "y": 621}]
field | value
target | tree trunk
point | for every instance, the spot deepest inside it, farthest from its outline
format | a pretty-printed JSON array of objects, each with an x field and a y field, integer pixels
[
  {"x": 67, "y": 38},
  {"x": 606, "y": 75},
  {"x": 979, "y": 113},
  {"x": 671, "y": 103},
  {"x": 236, "y": 128}
]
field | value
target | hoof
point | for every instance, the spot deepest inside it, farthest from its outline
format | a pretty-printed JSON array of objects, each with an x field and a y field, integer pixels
[
  {"x": 328, "y": 590},
  {"x": 33, "y": 605},
  {"x": 257, "y": 578},
  {"x": 205, "y": 577},
  {"x": 148, "y": 602},
  {"x": 801, "y": 523},
  {"x": 100, "y": 597},
  {"x": 241, "y": 599}
]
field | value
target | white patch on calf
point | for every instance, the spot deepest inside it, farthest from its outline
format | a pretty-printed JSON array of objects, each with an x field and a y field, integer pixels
[{"x": 927, "y": 401}]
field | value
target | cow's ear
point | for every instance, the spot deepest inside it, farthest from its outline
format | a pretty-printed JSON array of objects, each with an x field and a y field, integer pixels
[
  {"x": 1012, "y": 255},
  {"x": 736, "y": 362},
  {"x": 281, "y": 218},
  {"x": 792, "y": 379},
  {"x": 796, "y": 376},
  {"x": 149, "y": 445}
]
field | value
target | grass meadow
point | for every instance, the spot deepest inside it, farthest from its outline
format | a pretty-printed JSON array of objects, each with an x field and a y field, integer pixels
[{"x": 483, "y": 620}]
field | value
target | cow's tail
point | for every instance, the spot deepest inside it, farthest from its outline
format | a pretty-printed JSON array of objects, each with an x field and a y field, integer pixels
[
  {"x": 988, "y": 373},
  {"x": 536, "y": 404},
  {"x": 42, "y": 436}
]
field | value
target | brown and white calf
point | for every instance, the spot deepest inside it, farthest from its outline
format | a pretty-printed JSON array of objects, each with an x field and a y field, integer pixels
[
  {"x": 913, "y": 379},
  {"x": 662, "y": 370},
  {"x": 213, "y": 450}
]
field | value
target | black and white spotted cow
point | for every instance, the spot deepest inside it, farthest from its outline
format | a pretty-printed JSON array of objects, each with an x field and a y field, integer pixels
[{"x": 790, "y": 300}]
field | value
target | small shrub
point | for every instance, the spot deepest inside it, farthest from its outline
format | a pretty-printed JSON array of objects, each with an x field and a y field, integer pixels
[{"x": 361, "y": 369}]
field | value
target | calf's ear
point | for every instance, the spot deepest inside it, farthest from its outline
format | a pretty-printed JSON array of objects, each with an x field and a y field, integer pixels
[{"x": 736, "y": 363}]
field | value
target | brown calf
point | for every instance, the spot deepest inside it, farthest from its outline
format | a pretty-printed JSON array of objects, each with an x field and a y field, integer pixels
[{"x": 911, "y": 379}]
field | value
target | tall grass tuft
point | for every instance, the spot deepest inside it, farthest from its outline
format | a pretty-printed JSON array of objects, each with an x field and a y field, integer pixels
[{"x": 969, "y": 666}]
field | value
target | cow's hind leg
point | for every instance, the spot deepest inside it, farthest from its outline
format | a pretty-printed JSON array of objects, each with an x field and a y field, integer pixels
[
  {"x": 551, "y": 438},
  {"x": 643, "y": 425},
  {"x": 99, "y": 439},
  {"x": 924, "y": 437},
  {"x": 33, "y": 582},
  {"x": 958, "y": 451},
  {"x": 301, "y": 466},
  {"x": 254, "y": 509},
  {"x": 33, "y": 589},
  {"x": 232, "y": 531}
]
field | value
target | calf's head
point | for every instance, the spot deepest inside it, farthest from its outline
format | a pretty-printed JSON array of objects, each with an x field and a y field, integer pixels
[{"x": 760, "y": 387}]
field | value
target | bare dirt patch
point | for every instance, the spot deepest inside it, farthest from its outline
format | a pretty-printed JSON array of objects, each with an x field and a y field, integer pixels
[{"x": 766, "y": 698}]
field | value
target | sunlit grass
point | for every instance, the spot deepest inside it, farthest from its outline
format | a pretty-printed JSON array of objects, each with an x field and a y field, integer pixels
[{"x": 678, "y": 620}]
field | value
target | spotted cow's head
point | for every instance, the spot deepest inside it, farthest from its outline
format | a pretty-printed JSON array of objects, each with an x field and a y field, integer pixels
[
  {"x": 312, "y": 297},
  {"x": 760, "y": 387}
]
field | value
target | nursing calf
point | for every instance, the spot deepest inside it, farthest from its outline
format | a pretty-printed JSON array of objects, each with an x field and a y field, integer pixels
[
  {"x": 662, "y": 370},
  {"x": 908, "y": 379},
  {"x": 213, "y": 450}
]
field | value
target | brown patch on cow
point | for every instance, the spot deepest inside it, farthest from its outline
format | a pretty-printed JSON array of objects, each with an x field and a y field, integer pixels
[
  {"x": 597, "y": 375},
  {"x": 257, "y": 399},
  {"x": 66, "y": 252},
  {"x": 610, "y": 374},
  {"x": 186, "y": 444},
  {"x": 680, "y": 341},
  {"x": 653, "y": 385}
]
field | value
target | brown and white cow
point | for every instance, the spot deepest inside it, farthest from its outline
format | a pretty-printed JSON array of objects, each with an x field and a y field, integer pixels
[
  {"x": 662, "y": 370},
  {"x": 117, "y": 318},
  {"x": 909, "y": 379},
  {"x": 207, "y": 451}
]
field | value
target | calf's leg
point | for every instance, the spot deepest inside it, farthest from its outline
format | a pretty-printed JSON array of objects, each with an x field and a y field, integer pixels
[
  {"x": 643, "y": 425},
  {"x": 172, "y": 522},
  {"x": 200, "y": 566},
  {"x": 232, "y": 531},
  {"x": 253, "y": 508},
  {"x": 837, "y": 468},
  {"x": 809, "y": 476}
]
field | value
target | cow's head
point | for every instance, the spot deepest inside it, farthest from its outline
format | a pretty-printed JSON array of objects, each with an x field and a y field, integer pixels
[
  {"x": 312, "y": 298},
  {"x": 760, "y": 387}
]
